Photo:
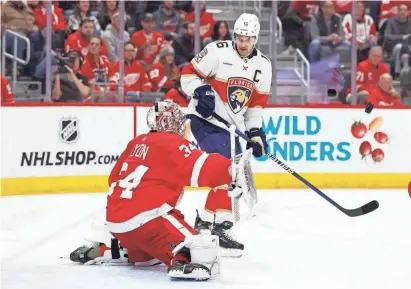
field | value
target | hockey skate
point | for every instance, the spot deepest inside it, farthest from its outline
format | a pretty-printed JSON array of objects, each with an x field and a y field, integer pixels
[
  {"x": 85, "y": 253},
  {"x": 192, "y": 271},
  {"x": 228, "y": 243}
]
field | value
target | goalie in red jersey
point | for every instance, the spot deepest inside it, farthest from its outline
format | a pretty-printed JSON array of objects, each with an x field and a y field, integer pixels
[{"x": 148, "y": 181}]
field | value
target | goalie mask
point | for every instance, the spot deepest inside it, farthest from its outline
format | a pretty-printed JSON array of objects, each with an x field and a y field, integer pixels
[{"x": 166, "y": 116}]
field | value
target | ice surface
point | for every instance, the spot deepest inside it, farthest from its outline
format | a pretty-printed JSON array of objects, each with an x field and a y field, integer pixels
[{"x": 296, "y": 240}]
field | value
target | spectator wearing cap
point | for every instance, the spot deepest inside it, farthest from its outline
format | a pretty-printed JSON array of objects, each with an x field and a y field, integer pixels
[
  {"x": 82, "y": 11},
  {"x": 111, "y": 37},
  {"x": 206, "y": 21},
  {"x": 147, "y": 41},
  {"x": 18, "y": 17},
  {"x": 368, "y": 74},
  {"x": 135, "y": 76},
  {"x": 184, "y": 45},
  {"x": 80, "y": 39},
  {"x": 398, "y": 34},
  {"x": 164, "y": 74},
  {"x": 168, "y": 20},
  {"x": 326, "y": 32},
  {"x": 6, "y": 93},
  {"x": 366, "y": 31},
  {"x": 59, "y": 26},
  {"x": 220, "y": 32},
  {"x": 384, "y": 94}
]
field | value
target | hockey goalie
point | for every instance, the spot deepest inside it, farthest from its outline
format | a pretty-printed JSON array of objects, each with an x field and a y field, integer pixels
[{"x": 146, "y": 185}]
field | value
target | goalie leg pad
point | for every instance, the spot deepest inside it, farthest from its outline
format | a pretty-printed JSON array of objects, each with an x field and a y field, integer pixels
[
  {"x": 245, "y": 180},
  {"x": 204, "y": 250}
]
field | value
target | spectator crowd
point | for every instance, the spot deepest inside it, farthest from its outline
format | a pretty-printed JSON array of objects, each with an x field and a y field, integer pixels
[{"x": 158, "y": 42}]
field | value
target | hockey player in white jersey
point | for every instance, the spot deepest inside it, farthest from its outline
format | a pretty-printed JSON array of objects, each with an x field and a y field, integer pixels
[{"x": 233, "y": 79}]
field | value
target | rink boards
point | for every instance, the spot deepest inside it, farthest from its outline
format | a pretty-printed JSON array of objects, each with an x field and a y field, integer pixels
[{"x": 54, "y": 148}]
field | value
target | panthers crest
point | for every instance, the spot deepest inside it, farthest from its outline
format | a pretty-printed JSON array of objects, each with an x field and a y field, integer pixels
[{"x": 239, "y": 91}]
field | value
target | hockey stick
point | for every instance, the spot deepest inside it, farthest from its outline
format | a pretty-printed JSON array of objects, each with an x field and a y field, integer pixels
[
  {"x": 234, "y": 200},
  {"x": 365, "y": 209}
]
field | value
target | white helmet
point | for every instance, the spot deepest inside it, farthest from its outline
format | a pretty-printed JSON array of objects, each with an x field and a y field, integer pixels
[
  {"x": 166, "y": 116},
  {"x": 247, "y": 25}
]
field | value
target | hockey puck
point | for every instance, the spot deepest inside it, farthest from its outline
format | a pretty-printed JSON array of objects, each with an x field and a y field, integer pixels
[
  {"x": 369, "y": 107},
  {"x": 409, "y": 189}
]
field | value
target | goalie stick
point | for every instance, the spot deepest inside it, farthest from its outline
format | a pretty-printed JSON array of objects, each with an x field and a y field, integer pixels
[
  {"x": 234, "y": 200},
  {"x": 365, "y": 209}
]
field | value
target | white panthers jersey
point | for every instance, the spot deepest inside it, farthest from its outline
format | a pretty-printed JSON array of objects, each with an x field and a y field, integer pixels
[{"x": 242, "y": 84}]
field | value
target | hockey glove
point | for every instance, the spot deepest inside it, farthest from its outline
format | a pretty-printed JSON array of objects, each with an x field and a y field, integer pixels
[
  {"x": 259, "y": 146},
  {"x": 206, "y": 104}
]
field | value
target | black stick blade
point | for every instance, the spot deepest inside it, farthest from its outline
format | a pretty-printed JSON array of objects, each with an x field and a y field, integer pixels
[{"x": 367, "y": 208}]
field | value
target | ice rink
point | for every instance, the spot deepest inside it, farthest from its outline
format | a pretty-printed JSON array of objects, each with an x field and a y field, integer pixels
[{"x": 296, "y": 240}]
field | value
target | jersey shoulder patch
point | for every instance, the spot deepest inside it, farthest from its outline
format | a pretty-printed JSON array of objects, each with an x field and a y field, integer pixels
[{"x": 222, "y": 43}]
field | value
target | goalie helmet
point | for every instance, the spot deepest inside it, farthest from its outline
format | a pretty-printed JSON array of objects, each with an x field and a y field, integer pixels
[
  {"x": 166, "y": 116},
  {"x": 247, "y": 25}
]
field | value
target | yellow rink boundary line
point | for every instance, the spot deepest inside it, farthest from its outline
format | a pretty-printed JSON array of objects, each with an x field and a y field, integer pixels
[{"x": 75, "y": 184}]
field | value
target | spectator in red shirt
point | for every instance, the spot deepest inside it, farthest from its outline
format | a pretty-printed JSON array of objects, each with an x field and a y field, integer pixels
[
  {"x": 366, "y": 31},
  {"x": 58, "y": 23},
  {"x": 206, "y": 21},
  {"x": 295, "y": 19},
  {"x": 96, "y": 68},
  {"x": 178, "y": 96},
  {"x": 368, "y": 75},
  {"x": 384, "y": 94},
  {"x": 6, "y": 94},
  {"x": 147, "y": 41},
  {"x": 79, "y": 40},
  {"x": 164, "y": 74},
  {"x": 82, "y": 11},
  {"x": 135, "y": 77}
]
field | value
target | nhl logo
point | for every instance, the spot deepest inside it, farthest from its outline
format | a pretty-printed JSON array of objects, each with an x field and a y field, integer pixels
[{"x": 69, "y": 131}]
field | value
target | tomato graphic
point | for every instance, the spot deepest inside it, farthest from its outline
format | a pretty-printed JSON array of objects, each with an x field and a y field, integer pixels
[
  {"x": 381, "y": 137},
  {"x": 365, "y": 149},
  {"x": 377, "y": 155},
  {"x": 358, "y": 129},
  {"x": 376, "y": 124},
  {"x": 409, "y": 189}
]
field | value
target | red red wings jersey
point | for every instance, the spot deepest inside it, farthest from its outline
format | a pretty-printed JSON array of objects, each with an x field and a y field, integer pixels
[
  {"x": 76, "y": 42},
  {"x": 207, "y": 23},
  {"x": 343, "y": 6},
  {"x": 158, "y": 78},
  {"x": 241, "y": 84},
  {"x": 57, "y": 17},
  {"x": 6, "y": 94},
  {"x": 99, "y": 70},
  {"x": 368, "y": 75},
  {"x": 148, "y": 178},
  {"x": 135, "y": 77},
  {"x": 305, "y": 9},
  {"x": 149, "y": 54},
  {"x": 365, "y": 28}
]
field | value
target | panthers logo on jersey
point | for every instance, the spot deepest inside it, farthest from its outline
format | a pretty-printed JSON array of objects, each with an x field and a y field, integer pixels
[{"x": 239, "y": 91}]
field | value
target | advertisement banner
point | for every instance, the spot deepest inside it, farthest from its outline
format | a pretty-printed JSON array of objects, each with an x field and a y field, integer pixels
[
  {"x": 319, "y": 140},
  {"x": 63, "y": 141}
]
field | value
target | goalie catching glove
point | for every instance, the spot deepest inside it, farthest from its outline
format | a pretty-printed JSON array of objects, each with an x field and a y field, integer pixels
[{"x": 244, "y": 182}]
